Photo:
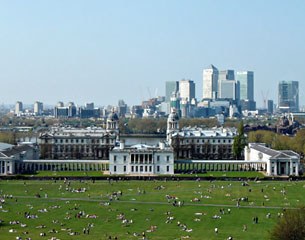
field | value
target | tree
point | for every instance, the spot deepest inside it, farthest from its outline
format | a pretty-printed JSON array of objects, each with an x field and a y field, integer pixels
[
  {"x": 239, "y": 141},
  {"x": 291, "y": 226}
]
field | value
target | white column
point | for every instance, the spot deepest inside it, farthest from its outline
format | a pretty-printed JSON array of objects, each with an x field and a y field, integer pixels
[
  {"x": 275, "y": 168},
  {"x": 296, "y": 168}
]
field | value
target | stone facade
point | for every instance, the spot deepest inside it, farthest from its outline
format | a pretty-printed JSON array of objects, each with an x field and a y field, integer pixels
[
  {"x": 284, "y": 162},
  {"x": 141, "y": 160}
]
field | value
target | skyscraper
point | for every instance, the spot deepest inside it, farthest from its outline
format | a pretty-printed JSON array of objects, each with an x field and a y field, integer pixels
[
  {"x": 210, "y": 82},
  {"x": 227, "y": 86},
  {"x": 246, "y": 85},
  {"x": 288, "y": 96},
  {"x": 170, "y": 88},
  {"x": 18, "y": 108},
  {"x": 187, "y": 89},
  {"x": 38, "y": 108}
]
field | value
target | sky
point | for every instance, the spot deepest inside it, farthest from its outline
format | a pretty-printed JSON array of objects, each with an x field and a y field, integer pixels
[{"x": 102, "y": 51}]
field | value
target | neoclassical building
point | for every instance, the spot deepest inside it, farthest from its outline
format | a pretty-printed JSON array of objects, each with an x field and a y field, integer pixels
[
  {"x": 11, "y": 157},
  {"x": 75, "y": 143},
  {"x": 141, "y": 159},
  {"x": 278, "y": 162},
  {"x": 198, "y": 143}
]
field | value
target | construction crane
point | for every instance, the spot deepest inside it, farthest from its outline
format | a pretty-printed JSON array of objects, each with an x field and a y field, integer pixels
[{"x": 265, "y": 97}]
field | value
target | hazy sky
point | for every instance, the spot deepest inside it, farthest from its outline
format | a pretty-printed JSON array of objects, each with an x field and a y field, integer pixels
[{"x": 103, "y": 51}]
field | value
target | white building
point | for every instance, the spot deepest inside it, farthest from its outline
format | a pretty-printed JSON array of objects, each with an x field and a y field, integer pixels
[
  {"x": 210, "y": 82},
  {"x": 38, "y": 108},
  {"x": 141, "y": 159},
  {"x": 187, "y": 89},
  {"x": 10, "y": 155},
  {"x": 284, "y": 162},
  {"x": 18, "y": 108}
]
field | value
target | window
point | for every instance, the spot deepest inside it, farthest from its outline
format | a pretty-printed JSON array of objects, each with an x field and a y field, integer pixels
[
  {"x": 150, "y": 168},
  {"x": 167, "y": 168},
  {"x": 137, "y": 168},
  {"x": 132, "y": 168},
  {"x": 158, "y": 168},
  {"x": 167, "y": 158},
  {"x": 125, "y": 157},
  {"x": 114, "y": 168},
  {"x": 124, "y": 168},
  {"x": 114, "y": 158},
  {"x": 141, "y": 168},
  {"x": 158, "y": 158}
]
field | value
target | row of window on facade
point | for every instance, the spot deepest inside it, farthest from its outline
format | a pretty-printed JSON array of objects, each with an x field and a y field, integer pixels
[
  {"x": 206, "y": 141},
  {"x": 88, "y": 141},
  {"x": 141, "y": 158},
  {"x": 141, "y": 169},
  {"x": 75, "y": 148}
]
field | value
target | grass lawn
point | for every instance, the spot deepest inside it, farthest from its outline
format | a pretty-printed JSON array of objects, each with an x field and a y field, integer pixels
[
  {"x": 67, "y": 174},
  {"x": 65, "y": 208},
  {"x": 237, "y": 174}
]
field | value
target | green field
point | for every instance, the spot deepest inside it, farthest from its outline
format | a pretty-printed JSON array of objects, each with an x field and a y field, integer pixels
[
  {"x": 145, "y": 207},
  {"x": 237, "y": 174}
]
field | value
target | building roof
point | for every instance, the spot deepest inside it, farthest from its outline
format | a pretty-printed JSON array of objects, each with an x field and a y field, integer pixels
[
  {"x": 15, "y": 150},
  {"x": 4, "y": 146},
  {"x": 75, "y": 132},
  {"x": 211, "y": 66},
  {"x": 273, "y": 153},
  {"x": 199, "y": 132}
]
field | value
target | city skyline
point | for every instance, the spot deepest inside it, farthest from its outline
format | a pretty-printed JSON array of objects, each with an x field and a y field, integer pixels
[{"x": 105, "y": 51}]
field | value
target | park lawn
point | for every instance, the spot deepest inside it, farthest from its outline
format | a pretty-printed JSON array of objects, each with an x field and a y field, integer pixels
[
  {"x": 66, "y": 174},
  {"x": 145, "y": 203}
]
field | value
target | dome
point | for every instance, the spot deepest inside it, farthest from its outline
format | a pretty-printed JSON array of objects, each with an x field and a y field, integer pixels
[
  {"x": 173, "y": 116},
  {"x": 113, "y": 116}
]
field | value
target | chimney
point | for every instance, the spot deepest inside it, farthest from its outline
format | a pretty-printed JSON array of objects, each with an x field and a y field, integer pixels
[
  {"x": 162, "y": 145},
  {"x": 122, "y": 144}
]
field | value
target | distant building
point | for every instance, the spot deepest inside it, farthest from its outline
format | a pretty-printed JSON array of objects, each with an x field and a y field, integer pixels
[
  {"x": 288, "y": 96},
  {"x": 198, "y": 143},
  {"x": 170, "y": 88},
  {"x": 122, "y": 108},
  {"x": 38, "y": 108},
  {"x": 80, "y": 143},
  {"x": 245, "y": 80},
  {"x": 246, "y": 84},
  {"x": 187, "y": 89},
  {"x": 18, "y": 108},
  {"x": 210, "y": 82},
  {"x": 89, "y": 111},
  {"x": 141, "y": 159},
  {"x": 227, "y": 86},
  {"x": 68, "y": 111},
  {"x": 270, "y": 106}
]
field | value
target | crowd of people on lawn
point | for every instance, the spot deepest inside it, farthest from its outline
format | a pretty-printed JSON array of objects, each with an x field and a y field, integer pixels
[{"x": 78, "y": 212}]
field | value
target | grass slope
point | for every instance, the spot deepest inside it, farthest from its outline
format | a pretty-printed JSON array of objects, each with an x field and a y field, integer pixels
[{"x": 145, "y": 203}]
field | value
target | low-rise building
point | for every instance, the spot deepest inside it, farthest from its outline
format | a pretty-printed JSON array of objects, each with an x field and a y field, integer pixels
[
  {"x": 80, "y": 143},
  {"x": 141, "y": 159},
  {"x": 11, "y": 156},
  {"x": 279, "y": 162}
]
